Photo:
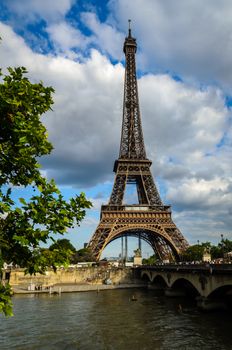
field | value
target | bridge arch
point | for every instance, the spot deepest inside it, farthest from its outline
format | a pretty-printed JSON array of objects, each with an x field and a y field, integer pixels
[
  {"x": 222, "y": 291},
  {"x": 146, "y": 275},
  {"x": 214, "y": 283},
  {"x": 154, "y": 236},
  {"x": 190, "y": 287},
  {"x": 160, "y": 281}
]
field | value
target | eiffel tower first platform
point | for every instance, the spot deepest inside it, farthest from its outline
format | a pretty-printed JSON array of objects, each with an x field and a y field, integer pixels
[{"x": 149, "y": 220}]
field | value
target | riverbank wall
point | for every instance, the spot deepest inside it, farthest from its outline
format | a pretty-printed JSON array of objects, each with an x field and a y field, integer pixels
[{"x": 74, "y": 279}]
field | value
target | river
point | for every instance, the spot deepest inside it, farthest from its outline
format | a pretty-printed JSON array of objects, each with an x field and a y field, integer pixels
[{"x": 110, "y": 320}]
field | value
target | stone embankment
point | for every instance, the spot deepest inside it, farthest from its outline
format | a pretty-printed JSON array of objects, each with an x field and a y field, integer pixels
[
  {"x": 74, "y": 279},
  {"x": 68, "y": 288}
]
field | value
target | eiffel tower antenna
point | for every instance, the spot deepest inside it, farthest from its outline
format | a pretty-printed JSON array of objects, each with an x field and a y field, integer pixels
[
  {"x": 149, "y": 220},
  {"x": 129, "y": 27}
]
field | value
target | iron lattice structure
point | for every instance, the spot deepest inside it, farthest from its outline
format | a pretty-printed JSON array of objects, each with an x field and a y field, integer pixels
[{"x": 150, "y": 219}]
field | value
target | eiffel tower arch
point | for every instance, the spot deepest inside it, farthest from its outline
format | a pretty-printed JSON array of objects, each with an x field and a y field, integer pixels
[{"x": 150, "y": 219}]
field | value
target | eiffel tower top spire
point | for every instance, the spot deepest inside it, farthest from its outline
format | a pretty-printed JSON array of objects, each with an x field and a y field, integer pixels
[
  {"x": 132, "y": 143},
  {"x": 129, "y": 27}
]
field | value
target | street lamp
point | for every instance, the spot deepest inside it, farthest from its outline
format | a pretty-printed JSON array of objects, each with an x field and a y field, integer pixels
[{"x": 222, "y": 245}]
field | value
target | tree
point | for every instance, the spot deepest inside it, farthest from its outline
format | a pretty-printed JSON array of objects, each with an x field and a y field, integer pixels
[
  {"x": 225, "y": 245},
  {"x": 24, "y": 224},
  {"x": 63, "y": 244},
  {"x": 63, "y": 247},
  {"x": 216, "y": 252},
  {"x": 194, "y": 253},
  {"x": 83, "y": 255},
  {"x": 150, "y": 261}
]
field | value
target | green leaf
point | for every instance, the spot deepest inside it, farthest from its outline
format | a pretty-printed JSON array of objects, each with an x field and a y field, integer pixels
[
  {"x": 22, "y": 200},
  {"x": 40, "y": 188}
]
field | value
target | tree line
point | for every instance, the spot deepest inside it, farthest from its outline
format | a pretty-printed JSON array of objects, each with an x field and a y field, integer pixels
[
  {"x": 195, "y": 252},
  {"x": 75, "y": 256}
]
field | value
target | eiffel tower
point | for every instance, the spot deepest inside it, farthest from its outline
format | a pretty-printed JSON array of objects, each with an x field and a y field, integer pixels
[{"x": 149, "y": 220}]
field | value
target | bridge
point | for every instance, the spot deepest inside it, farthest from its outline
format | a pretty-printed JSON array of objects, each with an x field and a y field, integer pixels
[{"x": 209, "y": 283}]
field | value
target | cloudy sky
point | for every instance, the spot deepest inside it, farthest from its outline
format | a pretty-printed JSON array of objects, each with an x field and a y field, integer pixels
[{"x": 184, "y": 63}]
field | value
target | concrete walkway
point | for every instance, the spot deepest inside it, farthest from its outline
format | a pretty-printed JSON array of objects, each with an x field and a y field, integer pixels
[{"x": 68, "y": 288}]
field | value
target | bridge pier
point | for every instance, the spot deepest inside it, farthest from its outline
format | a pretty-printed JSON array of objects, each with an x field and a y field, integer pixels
[
  {"x": 207, "y": 304},
  {"x": 174, "y": 292},
  {"x": 155, "y": 287}
]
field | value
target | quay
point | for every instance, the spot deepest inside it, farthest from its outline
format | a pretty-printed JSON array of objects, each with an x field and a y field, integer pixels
[
  {"x": 73, "y": 279},
  {"x": 70, "y": 288}
]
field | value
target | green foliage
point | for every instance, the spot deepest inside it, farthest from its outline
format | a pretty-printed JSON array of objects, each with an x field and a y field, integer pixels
[
  {"x": 24, "y": 225},
  {"x": 63, "y": 248},
  {"x": 150, "y": 261},
  {"x": 225, "y": 245},
  {"x": 5, "y": 299},
  {"x": 216, "y": 252},
  {"x": 22, "y": 136},
  {"x": 62, "y": 244},
  {"x": 195, "y": 252},
  {"x": 83, "y": 255},
  {"x": 44, "y": 258}
]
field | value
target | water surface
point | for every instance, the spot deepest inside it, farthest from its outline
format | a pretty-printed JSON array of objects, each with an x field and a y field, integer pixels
[{"x": 110, "y": 320}]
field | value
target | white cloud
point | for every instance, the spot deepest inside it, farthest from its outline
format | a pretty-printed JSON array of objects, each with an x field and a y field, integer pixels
[
  {"x": 190, "y": 38},
  {"x": 65, "y": 38},
  {"x": 106, "y": 36},
  {"x": 202, "y": 193},
  {"x": 187, "y": 123},
  {"x": 187, "y": 130},
  {"x": 204, "y": 225},
  {"x": 30, "y": 10}
]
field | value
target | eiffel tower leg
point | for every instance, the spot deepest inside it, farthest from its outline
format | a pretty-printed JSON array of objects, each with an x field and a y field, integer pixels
[
  {"x": 160, "y": 247},
  {"x": 98, "y": 240},
  {"x": 126, "y": 248},
  {"x": 140, "y": 245},
  {"x": 118, "y": 189}
]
